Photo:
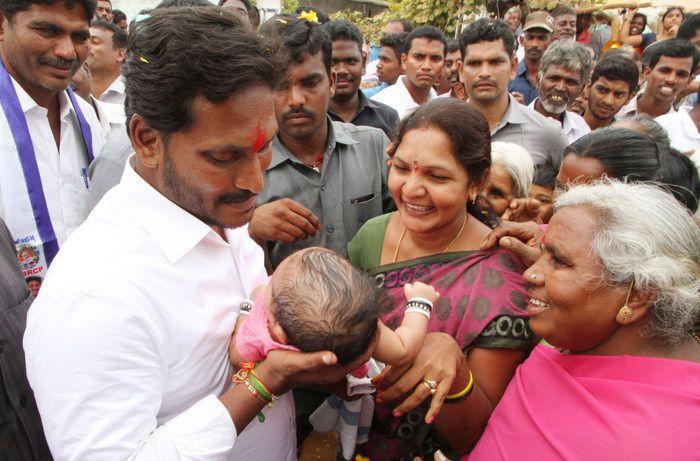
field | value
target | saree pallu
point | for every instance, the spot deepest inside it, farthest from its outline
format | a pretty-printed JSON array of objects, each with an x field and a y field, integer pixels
[
  {"x": 482, "y": 302},
  {"x": 596, "y": 407}
]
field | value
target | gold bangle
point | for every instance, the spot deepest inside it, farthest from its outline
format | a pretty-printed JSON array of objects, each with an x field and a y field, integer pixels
[{"x": 464, "y": 391}]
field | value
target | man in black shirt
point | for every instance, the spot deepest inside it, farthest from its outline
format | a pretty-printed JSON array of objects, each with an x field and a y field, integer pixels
[{"x": 348, "y": 103}]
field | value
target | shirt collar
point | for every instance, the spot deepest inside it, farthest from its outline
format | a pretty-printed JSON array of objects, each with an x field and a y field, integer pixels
[
  {"x": 522, "y": 69},
  {"x": 27, "y": 102},
  {"x": 337, "y": 134},
  {"x": 514, "y": 115},
  {"x": 174, "y": 230},
  {"x": 117, "y": 85}
]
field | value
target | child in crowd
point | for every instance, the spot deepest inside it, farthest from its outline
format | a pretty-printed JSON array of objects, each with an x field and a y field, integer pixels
[
  {"x": 542, "y": 189},
  {"x": 316, "y": 300}
]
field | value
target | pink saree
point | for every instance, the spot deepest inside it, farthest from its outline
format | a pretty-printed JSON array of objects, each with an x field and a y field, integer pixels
[{"x": 596, "y": 407}]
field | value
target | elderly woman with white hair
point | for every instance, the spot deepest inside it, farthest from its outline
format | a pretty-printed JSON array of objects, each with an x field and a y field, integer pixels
[
  {"x": 510, "y": 176},
  {"x": 617, "y": 291}
]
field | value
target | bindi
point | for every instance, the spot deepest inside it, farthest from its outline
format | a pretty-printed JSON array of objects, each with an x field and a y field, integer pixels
[
  {"x": 258, "y": 139},
  {"x": 415, "y": 165}
]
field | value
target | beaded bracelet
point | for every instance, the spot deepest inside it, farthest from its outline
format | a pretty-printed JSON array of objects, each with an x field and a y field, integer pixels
[
  {"x": 463, "y": 394},
  {"x": 419, "y": 306}
]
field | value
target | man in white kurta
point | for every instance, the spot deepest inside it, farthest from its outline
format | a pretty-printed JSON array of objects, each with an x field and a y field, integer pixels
[{"x": 127, "y": 343}]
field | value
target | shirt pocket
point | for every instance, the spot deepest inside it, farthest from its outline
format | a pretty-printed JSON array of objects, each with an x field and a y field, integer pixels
[{"x": 365, "y": 206}]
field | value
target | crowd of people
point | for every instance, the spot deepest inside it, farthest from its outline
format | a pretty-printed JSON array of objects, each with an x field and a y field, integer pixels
[{"x": 218, "y": 235}]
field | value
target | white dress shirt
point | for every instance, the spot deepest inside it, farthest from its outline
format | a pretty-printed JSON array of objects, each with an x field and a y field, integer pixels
[
  {"x": 573, "y": 125},
  {"x": 115, "y": 93},
  {"x": 398, "y": 98},
  {"x": 630, "y": 109},
  {"x": 111, "y": 116},
  {"x": 681, "y": 131},
  {"x": 63, "y": 172},
  {"x": 127, "y": 343}
]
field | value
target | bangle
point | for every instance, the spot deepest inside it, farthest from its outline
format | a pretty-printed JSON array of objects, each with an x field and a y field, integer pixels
[
  {"x": 418, "y": 310},
  {"x": 418, "y": 299},
  {"x": 463, "y": 394}
]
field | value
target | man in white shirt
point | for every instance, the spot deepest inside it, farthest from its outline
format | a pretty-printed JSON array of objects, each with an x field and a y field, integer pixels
[
  {"x": 48, "y": 136},
  {"x": 682, "y": 129},
  {"x": 422, "y": 63},
  {"x": 670, "y": 67},
  {"x": 106, "y": 54},
  {"x": 563, "y": 71},
  {"x": 111, "y": 116},
  {"x": 127, "y": 343}
]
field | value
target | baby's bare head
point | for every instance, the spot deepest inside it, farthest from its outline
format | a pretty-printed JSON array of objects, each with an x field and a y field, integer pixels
[{"x": 323, "y": 303}]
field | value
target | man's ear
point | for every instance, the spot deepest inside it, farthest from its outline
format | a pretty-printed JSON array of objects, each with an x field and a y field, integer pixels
[
  {"x": 121, "y": 55},
  {"x": 147, "y": 141}
]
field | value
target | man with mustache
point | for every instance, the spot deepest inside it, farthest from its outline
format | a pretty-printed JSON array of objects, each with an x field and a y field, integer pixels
[
  {"x": 564, "y": 24},
  {"x": 449, "y": 71},
  {"x": 391, "y": 47},
  {"x": 612, "y": 84},
  {"x": 488, "y": 63},
  {"x": 106, "y": 54},
  {"x": 348, "y": 103},
  {"x": 563, "y": 72},
  {"x": 422, "y": 63},
  {"x": 127, "y": 344},
  {"x": 537, "y": 34},
  {"x": 48, "y": 135},
  {"x": 670, "y": 67},
  {"x": 326, "y": 178}
]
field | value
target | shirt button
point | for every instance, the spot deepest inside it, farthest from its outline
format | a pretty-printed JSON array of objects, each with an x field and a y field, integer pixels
[
  {"x": 330, "y": 228},
  {"x": 23, "y": 400},
  {"x": 323, "y": 185}
]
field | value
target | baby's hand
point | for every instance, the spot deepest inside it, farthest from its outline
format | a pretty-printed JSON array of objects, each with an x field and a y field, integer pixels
[{"x": 420, "y": 290}]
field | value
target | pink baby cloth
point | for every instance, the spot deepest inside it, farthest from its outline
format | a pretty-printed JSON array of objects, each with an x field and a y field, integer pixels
[{"x": 254, "y": 341}]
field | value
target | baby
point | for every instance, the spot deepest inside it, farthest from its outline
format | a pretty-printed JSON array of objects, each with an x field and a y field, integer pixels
[{"x": 316, "y": 300}]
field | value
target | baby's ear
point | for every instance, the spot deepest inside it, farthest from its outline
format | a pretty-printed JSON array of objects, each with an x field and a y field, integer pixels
[{"x": 278, "y": 333}]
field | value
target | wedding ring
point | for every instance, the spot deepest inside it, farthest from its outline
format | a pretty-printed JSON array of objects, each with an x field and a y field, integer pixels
[{"x": 430, "y": 384}]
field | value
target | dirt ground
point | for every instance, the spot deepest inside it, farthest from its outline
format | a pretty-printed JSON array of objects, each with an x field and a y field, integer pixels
[{"x": 318, "y": 447}]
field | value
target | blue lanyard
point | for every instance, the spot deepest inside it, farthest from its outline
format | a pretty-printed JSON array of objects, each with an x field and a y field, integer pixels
[{"x": 27, "y": 157}]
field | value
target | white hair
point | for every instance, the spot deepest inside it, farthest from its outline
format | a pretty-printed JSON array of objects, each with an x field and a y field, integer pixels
[
  {"x": 644, "y": 236},
  {"x": 518, "y": 164}
]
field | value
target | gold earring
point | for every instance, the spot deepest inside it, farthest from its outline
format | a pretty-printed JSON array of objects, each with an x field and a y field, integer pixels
[{"x": 625, "y": 312}]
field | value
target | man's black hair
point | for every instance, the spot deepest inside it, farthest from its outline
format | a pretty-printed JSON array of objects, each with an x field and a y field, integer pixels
[
  {"x": 320, "y": 14},
  {"x": 344, "y": 30},
  {"x": 427, "y": 32},
  {"x": 672, "y": 48},
  {"x": 300, "y": 38},
  {"x": 181, "y": 3},
  {"x": 487, "y": 30},
  {"x": 395, "y": 41},
  {"x": 689, "y": 26},
  {"x": 452, "y": 46},
  {"x": 617, "y": 67},
  {"x": 405, "y": 23},
  {"x": 181, "y": 54},
  {"x": 118, "y": 16},
  {"x": 10, "y": 7},
  {"x": 33, "y": 278},
  {"x": 545, "y": 176},
  {"x": 119, "y": 38}
]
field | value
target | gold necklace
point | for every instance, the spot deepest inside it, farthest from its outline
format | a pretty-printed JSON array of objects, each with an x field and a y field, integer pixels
[{"x": 403, "y": 234}]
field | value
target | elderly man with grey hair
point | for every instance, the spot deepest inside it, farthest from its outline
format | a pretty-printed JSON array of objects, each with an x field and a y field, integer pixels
[{"x": 564, "y": 70}]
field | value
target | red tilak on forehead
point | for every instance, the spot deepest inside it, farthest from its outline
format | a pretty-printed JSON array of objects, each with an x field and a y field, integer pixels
[{"x": 259, "y": 139}]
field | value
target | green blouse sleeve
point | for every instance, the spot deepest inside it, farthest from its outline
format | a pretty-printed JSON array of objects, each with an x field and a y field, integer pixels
[{"x": 365, "y": 249}]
